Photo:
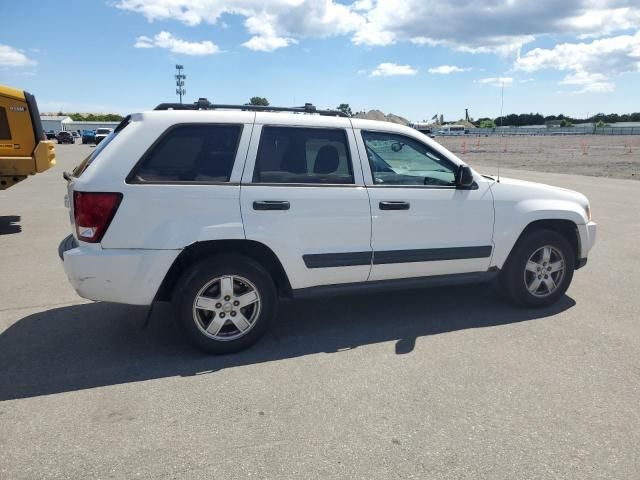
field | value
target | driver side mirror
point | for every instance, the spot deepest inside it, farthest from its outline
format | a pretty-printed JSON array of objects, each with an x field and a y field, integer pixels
[{"x": 464, "y": 179}]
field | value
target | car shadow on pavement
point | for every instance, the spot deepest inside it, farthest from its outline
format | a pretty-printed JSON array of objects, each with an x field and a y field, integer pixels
[
  {"x": 99, "y": 344},
  {"x": 10, "y": 224}
]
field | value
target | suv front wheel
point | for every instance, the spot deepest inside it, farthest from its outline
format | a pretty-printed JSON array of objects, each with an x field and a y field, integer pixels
[
  {"x": 539, "y": 269},
  {"x": 225, "y": 303}
]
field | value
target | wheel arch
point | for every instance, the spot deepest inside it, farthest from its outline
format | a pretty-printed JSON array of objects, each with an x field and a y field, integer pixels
[
  {"x": 567, "y": 228},
  {"x": 249, "y": 248}
]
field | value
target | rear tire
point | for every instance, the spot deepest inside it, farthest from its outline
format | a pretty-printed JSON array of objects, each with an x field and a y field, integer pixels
[
  {"x": 539, "y": 269},
  {"x": 224, "y": 304}
]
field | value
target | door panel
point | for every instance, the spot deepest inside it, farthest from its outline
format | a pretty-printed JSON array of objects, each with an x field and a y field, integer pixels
[
  {"x": 321, "y": 232},
  {"x": 444, "y": 231},
  {"x": 420, "y": 230}
]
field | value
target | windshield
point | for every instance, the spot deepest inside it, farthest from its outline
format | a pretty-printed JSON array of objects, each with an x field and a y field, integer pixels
[{"x": 103, "y": 131}]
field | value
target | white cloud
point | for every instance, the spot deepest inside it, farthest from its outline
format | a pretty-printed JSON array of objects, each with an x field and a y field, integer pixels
[
  {"x": 475, "y": 26},
  {"x": 266, "y": 37},
  {"x": 12, "y": 57},
  {"x": 174, "y": 44},
  {"x": 143, "y": 42},
  {"x": 447, "y": 69},
  {"x": 391, "y": 69},
  {"x": 268, "y": 44},
  {"x": 591, "y": 66},
  {"x": 274, "y": 24},
  {"x": 497, "y": 81},
  {"x": 499, "y": 26}
]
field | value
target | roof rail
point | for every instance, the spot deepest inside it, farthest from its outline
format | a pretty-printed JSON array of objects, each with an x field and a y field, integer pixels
[{"x": 204, "y": 104}]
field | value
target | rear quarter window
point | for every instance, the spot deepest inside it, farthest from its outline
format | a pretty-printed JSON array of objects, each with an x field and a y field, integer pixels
[{"x": 190, "y": 153}]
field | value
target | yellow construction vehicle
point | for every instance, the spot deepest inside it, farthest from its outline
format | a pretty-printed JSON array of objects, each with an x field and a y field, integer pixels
[{"x": 24, "y": 150}]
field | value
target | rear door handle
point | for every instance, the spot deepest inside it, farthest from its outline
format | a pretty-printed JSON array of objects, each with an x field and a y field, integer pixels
[
  {"x": 394, "y": 205},
  {"x": 271, "y": 205}
]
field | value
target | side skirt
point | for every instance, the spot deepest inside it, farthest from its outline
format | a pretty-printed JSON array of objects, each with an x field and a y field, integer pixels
[{"x": 396, "y": 284}]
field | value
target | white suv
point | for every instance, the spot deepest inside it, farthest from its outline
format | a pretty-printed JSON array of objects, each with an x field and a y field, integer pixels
[{"x": 223, "y": 211}]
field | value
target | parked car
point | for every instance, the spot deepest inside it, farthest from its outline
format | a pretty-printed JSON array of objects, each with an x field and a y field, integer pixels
[
  {"x": 88, "y": 136},
  {"x": 65, "y": 137},
  {"x": 51, "y": 135},
  {"x": 75, "y": 135},
  {"x": 102, "y": 133},
  {"x": 224, "y": 212}
]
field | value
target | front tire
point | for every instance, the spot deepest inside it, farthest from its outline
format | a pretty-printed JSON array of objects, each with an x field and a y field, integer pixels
[
  {"x": 224, "y": 304},
  {"x": 539, "y": 270}
]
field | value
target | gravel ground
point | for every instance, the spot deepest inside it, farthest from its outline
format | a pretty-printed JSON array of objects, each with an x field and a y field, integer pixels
[{"x": 594, "y": 155}]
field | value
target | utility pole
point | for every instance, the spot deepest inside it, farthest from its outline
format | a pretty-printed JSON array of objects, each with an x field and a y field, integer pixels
[{"x": 180, "y": 78}]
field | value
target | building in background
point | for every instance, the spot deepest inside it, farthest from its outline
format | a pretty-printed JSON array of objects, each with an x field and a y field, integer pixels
[
  {"x": 58, "y": 123},
  {"x": 54, "y": 122}
]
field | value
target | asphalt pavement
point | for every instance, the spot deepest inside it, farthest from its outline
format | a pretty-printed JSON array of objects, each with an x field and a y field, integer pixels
[{"x": 449, "y": 383}]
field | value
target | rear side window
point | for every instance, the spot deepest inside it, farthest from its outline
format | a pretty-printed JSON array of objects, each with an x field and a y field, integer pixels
[
  {"x": 191, "y": 153},
  {"x": 5, "y": 132},
  {"x": 303, "y": 155}
]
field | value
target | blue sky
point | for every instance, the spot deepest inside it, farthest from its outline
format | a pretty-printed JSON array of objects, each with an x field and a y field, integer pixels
[{"x": 414, "y": 58}]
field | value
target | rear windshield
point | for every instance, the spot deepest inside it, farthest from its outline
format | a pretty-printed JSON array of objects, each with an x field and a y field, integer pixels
[
  {"x": 79, "y": 170},
  {"x": 102, "y": 131}
]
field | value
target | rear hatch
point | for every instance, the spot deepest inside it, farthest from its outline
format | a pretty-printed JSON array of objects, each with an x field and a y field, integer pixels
[{"x": 77, "y": 172}]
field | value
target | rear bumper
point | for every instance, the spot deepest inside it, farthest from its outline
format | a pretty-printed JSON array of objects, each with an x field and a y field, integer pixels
[
  {"x": 115, "y": 275},
  {"x": 67, "y": 244}
]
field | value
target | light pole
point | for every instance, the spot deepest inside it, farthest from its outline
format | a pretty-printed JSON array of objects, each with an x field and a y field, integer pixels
[{"x": 180, "y": 78}]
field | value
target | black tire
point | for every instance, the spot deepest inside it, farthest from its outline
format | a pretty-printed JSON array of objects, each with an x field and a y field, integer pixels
[
  {"x": 192, "y": 320},
  {"x": 514, "y": 279}
]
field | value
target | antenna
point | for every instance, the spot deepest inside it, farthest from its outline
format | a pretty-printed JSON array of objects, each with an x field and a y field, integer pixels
[
  {"x": 501, "y": 110},
  {"x": 180, "y": 78}
]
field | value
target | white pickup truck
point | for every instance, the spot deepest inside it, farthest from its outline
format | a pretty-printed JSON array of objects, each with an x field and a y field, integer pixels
[{"x": 224, "y": 210}]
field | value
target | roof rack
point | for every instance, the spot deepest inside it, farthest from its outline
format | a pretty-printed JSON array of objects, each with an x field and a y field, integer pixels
[{"x": 204, "y": 104}]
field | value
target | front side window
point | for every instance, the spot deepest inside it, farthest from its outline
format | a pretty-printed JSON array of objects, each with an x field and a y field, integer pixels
[
  {"x": 303, "y": 155},
  {"x": 191, "y": 153},
  {"x": 399, "y": 160}
]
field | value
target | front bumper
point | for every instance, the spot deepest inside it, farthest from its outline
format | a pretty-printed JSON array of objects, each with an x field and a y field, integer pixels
[
  {"x": 588, "y": 235},
  {"x": 130, "y": 276}
]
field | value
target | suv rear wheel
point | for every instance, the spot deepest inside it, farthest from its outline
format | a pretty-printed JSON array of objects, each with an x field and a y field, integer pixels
[
  {"x": 225, "y": 303},
  {"x": 539, "y": 269}
]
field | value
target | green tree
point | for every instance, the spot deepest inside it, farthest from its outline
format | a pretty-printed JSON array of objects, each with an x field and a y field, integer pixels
[
  {"x": 344, "y": 108},
  {"x": 259, "y": 101},
  {"x": 487, "y": 123}
]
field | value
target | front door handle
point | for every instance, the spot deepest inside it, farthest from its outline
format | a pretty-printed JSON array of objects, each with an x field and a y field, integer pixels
[
  {"x": 271, "y": 205},
  {"x": 394, "y": 205}
]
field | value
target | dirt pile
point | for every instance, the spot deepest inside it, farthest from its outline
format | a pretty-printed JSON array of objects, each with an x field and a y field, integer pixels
[{"x": 380, "y": 116}]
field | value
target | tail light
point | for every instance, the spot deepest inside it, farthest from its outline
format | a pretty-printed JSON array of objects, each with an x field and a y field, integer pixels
[{"x": 93, "y": 212}]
